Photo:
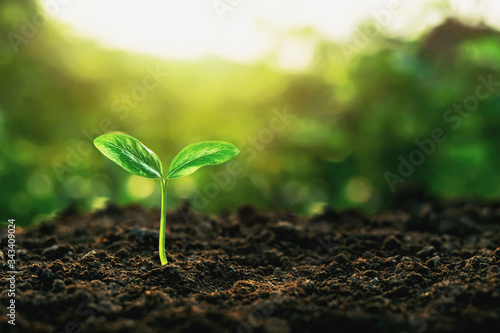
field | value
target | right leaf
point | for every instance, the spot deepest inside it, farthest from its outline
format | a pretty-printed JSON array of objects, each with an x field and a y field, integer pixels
[{"x": 199, "y": 154}]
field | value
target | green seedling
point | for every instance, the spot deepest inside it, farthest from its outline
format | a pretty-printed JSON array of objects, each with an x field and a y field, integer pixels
[{"x": 136, "y": 158}]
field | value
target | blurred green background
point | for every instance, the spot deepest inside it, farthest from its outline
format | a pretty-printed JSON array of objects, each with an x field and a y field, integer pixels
[{"x": 352, "y": 110}]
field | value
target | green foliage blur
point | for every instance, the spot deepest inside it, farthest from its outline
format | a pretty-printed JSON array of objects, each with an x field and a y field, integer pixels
[{"x": 327, "y": 134}]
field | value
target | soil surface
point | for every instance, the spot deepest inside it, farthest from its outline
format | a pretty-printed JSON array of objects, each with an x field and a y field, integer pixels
[{"x": 423, "y": 266}]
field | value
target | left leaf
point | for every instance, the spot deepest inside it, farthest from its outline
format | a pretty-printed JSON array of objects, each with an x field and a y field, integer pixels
[{"x": 130, "y": 154}]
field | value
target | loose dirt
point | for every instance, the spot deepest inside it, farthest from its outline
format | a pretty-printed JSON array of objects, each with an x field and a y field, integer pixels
[{"x": 423, "y": 266}]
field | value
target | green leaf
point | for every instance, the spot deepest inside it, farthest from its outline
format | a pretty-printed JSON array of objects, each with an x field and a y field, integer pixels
[
  {"x": 199, "y": 154},
  {"x": 130, "y": 154}
]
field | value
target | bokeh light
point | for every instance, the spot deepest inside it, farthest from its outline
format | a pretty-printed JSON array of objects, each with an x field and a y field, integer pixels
[{"x": 325, "y": 100}]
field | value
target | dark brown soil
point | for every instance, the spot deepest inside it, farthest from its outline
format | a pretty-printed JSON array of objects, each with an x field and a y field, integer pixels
[{"x": 423, "y": 267}]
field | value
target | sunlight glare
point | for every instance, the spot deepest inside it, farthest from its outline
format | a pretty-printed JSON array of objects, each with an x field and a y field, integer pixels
[{"x": 244, "y": 31}]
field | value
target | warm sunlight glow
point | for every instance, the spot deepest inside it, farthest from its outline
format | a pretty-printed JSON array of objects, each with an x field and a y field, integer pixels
[{"x": 241, "y": 30}]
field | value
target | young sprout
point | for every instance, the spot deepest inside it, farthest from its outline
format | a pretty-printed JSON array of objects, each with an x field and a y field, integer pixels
[{"x": 133, "y": 156}]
